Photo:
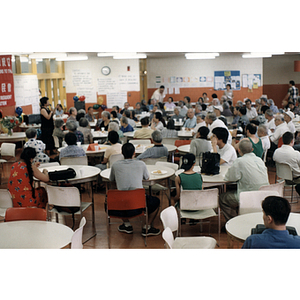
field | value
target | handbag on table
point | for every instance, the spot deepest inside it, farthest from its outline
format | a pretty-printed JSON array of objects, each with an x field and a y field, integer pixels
[{"x": 210, "y": 163}]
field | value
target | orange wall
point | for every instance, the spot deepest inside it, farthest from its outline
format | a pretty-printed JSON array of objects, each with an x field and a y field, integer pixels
[{"x": 195, "y": 93}]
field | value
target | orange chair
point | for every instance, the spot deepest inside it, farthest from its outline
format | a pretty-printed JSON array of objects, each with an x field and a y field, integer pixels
[
  {"x": 177, "y": 144},
  {"x": 25, "y": 213},
  {"x": 280, "y": 142},
  {"x": 125, "y": 200}
]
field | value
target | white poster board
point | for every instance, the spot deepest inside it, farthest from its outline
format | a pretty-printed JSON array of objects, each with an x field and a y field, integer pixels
[
  {"x": 116, "y": 98},
  {"x": 26, "y": 89}
]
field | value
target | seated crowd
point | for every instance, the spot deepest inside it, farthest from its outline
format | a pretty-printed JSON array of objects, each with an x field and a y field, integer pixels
[{"x": 245, "y": 137}]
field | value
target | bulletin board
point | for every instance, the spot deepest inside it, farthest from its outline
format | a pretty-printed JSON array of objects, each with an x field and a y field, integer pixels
[{"x": 222, "y": 78}]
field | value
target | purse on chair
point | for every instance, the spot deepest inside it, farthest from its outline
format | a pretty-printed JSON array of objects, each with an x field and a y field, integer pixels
[{"x": 210, "y": 163}]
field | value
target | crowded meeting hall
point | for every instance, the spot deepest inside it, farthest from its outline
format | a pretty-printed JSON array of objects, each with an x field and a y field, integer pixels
[{"x": 187, "y": 160}]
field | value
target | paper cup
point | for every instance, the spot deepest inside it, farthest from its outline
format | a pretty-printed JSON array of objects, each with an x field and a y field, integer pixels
[
  {"x": 102, "y": 129},
  {"x": 78, "y": 144},
  {"x": 96, "y": 141},
  {"x": 92, "y": 130}
]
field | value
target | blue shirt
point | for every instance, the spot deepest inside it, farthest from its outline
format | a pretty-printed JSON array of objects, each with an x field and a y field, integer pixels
[
  {"x": 127, "y": 129},
  {"x": 190, "y": 123},
  {"x": 272, "y": 239}
]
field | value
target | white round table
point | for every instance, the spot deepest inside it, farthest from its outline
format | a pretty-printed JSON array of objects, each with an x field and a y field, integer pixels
[
  {"x": 184, "y": 148},
  {"x": 129, "y": 134},
  {"x": 34, "y": 235},
  {"x": 90, "y": 152},
  {"x": 15, "y": 137},
  {"x": 185, "y": 134},
  {"x": 240, "y": 227},
  {"x": 143, "y": 147},
  {"x": 100, "y": 134},
  {"x": 83, "y": 173}
]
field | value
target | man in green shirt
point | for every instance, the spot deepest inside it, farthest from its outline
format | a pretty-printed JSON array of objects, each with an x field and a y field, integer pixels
[{"x": 249, "y": 172}]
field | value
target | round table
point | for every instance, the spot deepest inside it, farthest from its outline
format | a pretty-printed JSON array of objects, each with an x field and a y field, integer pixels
[
  {"x": 185, "y": 134},
  {"x": 240, "y": 227},
  {"x": 184, "y": 148},
  {"x": 34, "y": 235},
  {"x": 15, "y": 137},
  {"x": 89, "y": 152},
  {"x": 100, "y": 134},
  {"x": 129, "y": 134},
  {"x": 143, "y": 147}
]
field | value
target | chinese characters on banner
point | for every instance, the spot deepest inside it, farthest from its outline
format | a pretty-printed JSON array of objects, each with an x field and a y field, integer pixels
[{"x": 7, "y": 97}]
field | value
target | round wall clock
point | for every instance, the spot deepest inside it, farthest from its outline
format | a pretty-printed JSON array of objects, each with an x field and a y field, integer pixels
[{"x": 105, "y": 70}]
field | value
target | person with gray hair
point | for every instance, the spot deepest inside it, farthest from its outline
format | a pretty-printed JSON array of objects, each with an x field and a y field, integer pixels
[
  {"x": 177, "y": 117},
  {"x": 183, "y": 109},
  {"x": 270, "y": 121},
  {"x": 39, "y": 146},
  {"x": 73, "y": 114},
  {"x": 58, "y": 130},
  {"x": 249, "y": 172},
  {"x": 212, "y": 122},
  {"x": 131, "y": 122},
  {"x": 226, "y": 110},
  {"x": 125, "y": 127},
  {"x": 86, "y": 130},
  {"x": 72, "y": 127},
  {"x": 158, "y": 150},
  {"x": 272, "y": 106},
  {"x": 103, "y": 123},
  {"x": 262, "y": 133},
  {"x": 281, "y": 128}
]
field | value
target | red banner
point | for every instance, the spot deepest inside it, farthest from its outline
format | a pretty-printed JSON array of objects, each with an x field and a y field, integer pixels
[{"x": 7, "y": 96}]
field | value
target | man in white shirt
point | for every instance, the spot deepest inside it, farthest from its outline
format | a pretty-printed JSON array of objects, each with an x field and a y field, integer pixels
[
  {"x": 191, "y": 121},
  {"x": 219, "y": 145},
  {"x": 262, "y": 132},
  {"x": 281, "y": 128},
  {"x": 212, "y": 122},
  {"x": 270, "y": 121},
  {"x": 250, "y": 173},
  {"x": 200, "y": 123},
  {"x": 159, "y": 95},
  {"x": 286, "y": 154},
  {"x": 251, "y": 111},
  {"x": 288, "y": 117}
]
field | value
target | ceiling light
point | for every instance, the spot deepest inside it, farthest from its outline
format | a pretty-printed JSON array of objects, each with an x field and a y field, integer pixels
[
  {"x": 47, "y": 55},
  {"x": 106, "y": 54},
  {"x": 201, "y": 55},
  {"x": 257, "y": 55},
  {"x": 72, "y": 57},
  {"x": 131, "y": 55}
]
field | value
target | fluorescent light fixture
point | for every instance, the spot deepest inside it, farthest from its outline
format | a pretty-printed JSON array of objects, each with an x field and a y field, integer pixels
[
  {"x": 47, "y": 55},
  {"x": 200, "y": 55},
  {"x": 106, "y": 54},
  {"x": 257, "y": 55},
  {"x": 73, "y": 57},
  {"x": 131, "y": 55}
]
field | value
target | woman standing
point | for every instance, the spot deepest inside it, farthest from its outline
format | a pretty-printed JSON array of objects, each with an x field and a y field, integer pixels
[
  {"x": 228, "y": 93},
  {"x": 47, "y": 125},
  {"x": 20, "y": 183}
]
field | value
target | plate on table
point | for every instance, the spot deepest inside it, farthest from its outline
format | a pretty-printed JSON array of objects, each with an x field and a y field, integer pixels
[{"x": 158, "y": 172}]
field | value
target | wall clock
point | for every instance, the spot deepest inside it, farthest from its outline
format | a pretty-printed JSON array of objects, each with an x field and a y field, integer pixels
[{"x": 105, "y": 70}]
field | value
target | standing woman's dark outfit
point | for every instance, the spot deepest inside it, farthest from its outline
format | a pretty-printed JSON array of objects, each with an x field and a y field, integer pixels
[{"x": 47, "y": 127}]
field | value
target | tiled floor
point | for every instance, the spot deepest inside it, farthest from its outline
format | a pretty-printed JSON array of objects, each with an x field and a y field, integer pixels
[{"x": 135, "y": 240}]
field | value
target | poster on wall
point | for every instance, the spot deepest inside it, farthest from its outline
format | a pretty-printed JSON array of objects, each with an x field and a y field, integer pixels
[
  {"x": 116, "y": 98},
  {"x": 81, "y": 77},
  {"x": 7, "y": 97},
  {"x": 129, "y": 82},
  {"x": 251, "y": 81},
  {"x": 224, "y": 77},
  {"x": 26, "y": 90},
  {"x": 89, "y": 92}
]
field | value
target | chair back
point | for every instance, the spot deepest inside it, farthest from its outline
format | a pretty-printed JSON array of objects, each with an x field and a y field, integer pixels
[
  {"x": 140, "y": 141},
  {"x": 115, "y": 157},
  {"x": 168, "y": 237},
  {"x": 76, "y": 241},
  {"x": 56, "y": 141},
  {"x": 25, "y": 213},
  {"x": 279, "y": 187},
  {"x": 123, "y": 139},
  {"x": 167, "y": 164},
  {"x": 169, "y": 141},
  {"x": 250, "y": 202},
  {"x": 8, "y": 149},
  {"x": 63, "y": 196},
  {"x": 280, "y": 142},
  {"x": 5, "y": 199},
  {"x": 264, "y": 156},
  {"x": 199, "y": 200},
  {"x": 169, "y": 218},
  {"x": 81, "y": 160},
  {"x": 152, "y": 161},
  {"x": 179, "y": 143},
  {"x": 126, "y": 200},
  {"x": 284, "y": 171}
]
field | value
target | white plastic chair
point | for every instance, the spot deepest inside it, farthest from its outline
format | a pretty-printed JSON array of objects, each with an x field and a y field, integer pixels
[
  {"x": 5, "y": 202},
  {"x": 115, "y": 157},
  {"x": 76, "y": 242},
  {"x": 169, "y": 141},
  {"x": 56, "y": 141},
  {"x": 140, "y": 141},
  {"x": 81, "y": 160},
  {"x": 169, "y": 219},
  {"x": 7, "y": 150},
  {"x": 279, "y": 187},
  {"x": 250, "y": 201},
  {"x": 284, "y": 172},
  {"x": 66, "y": 196},
  {"x": 200, "y": 205}
]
